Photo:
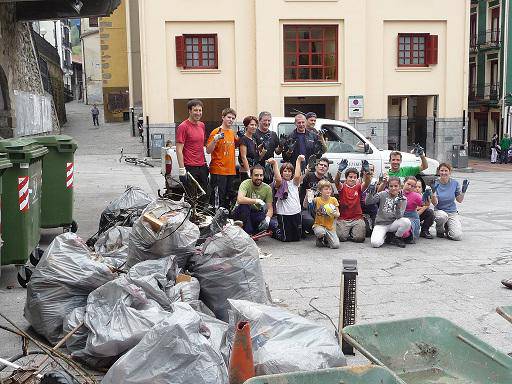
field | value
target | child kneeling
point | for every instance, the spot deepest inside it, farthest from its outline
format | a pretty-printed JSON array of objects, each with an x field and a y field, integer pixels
[
  {"x": 390, "y": 214},
  {"x": 326, "y": 212}
]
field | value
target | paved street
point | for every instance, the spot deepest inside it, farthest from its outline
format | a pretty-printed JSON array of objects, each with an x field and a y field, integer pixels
[{"x": 456, "y": 280}]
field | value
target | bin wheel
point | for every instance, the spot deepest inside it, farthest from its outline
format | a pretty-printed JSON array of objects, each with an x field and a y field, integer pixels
[
  {"x": 56, "y": 377},
  {"x": 36, "y": 255},
  {"x": 74, "y": 226},
  {"x": 24, "y": 276}
]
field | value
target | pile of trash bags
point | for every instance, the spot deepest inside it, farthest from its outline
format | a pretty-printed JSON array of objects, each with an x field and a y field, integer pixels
[{"x": 153, "y": 303}]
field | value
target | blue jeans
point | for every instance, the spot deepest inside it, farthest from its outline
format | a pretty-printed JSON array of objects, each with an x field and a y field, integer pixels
[
  {"x": 415, "y": 223},
  {"x": 251, "y": 218}
]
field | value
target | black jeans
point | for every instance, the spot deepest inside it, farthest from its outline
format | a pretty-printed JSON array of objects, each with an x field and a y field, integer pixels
[
  {"x": 221, "y": 190},
  {"x": 426, "y": 219},
  {"x": 200, "y": 173},
  {"x": 95, "y": 120}
]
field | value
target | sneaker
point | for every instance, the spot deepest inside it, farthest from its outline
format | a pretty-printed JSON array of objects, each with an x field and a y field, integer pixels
[
  {"x": 507, "y": 283},
  {"x": 409, "y": 239},
  {"x": 320, "y": 241},
  {"x": 398, "y": 241},
  {"x": 426, "y": 234},
  {"x": 238, "y": 223}
]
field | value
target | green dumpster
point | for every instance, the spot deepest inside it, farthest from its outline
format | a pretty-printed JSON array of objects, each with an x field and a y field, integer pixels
[
  {"x": 366, "y": 374},
  {"x": 21, "y": 199},
  {"x": 58, "y": 169},
  {"x": 4, "y": 164},
  {"x": 430, "y": 350}
]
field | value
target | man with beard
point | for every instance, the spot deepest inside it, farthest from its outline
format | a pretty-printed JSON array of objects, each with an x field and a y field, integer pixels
[
  {"x": 309, "y": 191},
  {"x": 254, "y": 203}
]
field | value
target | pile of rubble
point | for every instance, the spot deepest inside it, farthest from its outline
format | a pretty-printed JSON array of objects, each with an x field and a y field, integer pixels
[{"x": 154, "y": 306}]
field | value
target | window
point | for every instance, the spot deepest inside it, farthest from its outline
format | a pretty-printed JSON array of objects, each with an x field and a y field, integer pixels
[
  {"x": 339, "y": 139},
  {"x": 417, "y": 50},
  {"x": 93, "y": 21},
  {"x": 310, "y": 52},
  {"x": 495, "y": 25},
  {"x": 473, "y": 31},
  {"x": 196, "y": 51}
]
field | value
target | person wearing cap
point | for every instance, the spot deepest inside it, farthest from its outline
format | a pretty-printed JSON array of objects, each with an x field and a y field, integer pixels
[{"x": 310, "y": 126}]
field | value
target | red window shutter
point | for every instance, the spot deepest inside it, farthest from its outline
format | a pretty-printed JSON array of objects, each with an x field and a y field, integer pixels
[
  {"x": 431, "y": 49},
  {"x": 180, "y": 51}
]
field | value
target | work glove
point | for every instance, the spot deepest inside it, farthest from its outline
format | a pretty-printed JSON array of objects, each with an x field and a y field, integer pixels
[
  {"x": 419, "y": 150},
  {"x": 329, "y": 177},
  {"x": 342, "y": 165},
  {"x": 264, "y": 224},
  {"x": 218, "y": 136},
  {"x": 365, "y": 166},
  {"x": 426, "y": 195},
  {"x": 329, "y": 209},
  {"x": 435, "y": 185},
  {"x": 371, "y": 189},
  {"x": 260, "y": 203},
  {"x": 183, "y": 176},
  {"x": 399, "y": 198},
  {"x": 282, "y": 140},
  {"x": 240, "y": 133},
  {"x": 465, "y": 185},
  {"x": 311, "y": 163}
]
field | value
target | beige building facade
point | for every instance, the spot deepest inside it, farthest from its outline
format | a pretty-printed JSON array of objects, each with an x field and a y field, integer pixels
[{"x": 406, "y": 61}]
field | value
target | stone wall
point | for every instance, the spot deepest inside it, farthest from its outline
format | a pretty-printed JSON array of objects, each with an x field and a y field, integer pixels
[{"x": 19, "y": 63}]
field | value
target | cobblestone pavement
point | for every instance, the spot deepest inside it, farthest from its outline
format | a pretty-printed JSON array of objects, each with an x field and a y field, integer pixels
[{"x": 456, "y": 280}]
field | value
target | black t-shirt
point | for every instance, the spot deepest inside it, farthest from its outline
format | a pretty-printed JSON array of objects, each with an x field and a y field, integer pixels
[
  {"x": 269, "y": 140},
  {"x": 310, "y": 181},
  {"x": 252, "y": 151}
]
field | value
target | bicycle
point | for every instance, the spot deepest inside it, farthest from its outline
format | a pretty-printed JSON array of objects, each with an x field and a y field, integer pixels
[{"x": 134, "y": 160}]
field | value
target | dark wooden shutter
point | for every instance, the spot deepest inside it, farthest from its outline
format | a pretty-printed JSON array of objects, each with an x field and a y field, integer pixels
[
  {"x": 431, "y": 49},
  {"x": 180, "y": 51}
]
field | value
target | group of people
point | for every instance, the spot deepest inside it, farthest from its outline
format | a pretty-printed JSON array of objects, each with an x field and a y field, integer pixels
[
  {"x": 299, "y": 197},
  {"x": 500, "y": 149}
]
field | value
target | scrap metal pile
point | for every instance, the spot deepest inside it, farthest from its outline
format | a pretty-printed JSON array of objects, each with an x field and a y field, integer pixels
[{"x": 155, "y": 301}]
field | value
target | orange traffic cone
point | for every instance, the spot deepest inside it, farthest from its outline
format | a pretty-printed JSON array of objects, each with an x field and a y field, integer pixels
[{"x": 241, "y": 363}]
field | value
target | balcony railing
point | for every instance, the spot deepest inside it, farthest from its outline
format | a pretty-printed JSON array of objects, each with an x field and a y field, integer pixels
[
  {"x": 486, "y": 92},
  {"x": 489, "y": 39}
]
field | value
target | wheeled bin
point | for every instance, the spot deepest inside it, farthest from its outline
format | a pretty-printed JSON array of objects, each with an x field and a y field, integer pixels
[
  {"x": 4, "y": 164},
  {"x": 430, "y": 350},
  {"x": 21, "y": 199},
  {"x": 365, "y": 374},
  {"x": 58, "y": 173}
]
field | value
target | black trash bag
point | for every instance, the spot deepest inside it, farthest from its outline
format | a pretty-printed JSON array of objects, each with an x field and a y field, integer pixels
[
  {"x": 175, "y": 351},
  {"x": 176, "y": 236},
  {"x": 285, "y": 342},
  {"x": 67, "y": 272},
  {"x": 229, "y": 267}
]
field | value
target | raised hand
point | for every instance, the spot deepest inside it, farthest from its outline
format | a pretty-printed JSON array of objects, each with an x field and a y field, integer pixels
[
  {"x": 311, "y": 162},
  {"x": 435, "y": 185},
  {"x": 218, "y": 136},
  {"x": 418, "y": 150},
  {"x": 301, "y": 158},
  {"x": 282, "y": 140},
  {"x": 342, "y": 165},
  {"x": 400, "y": 197},
  {"x": 365, "y": 166},
  {"x": 465, "y": 185},
  {"x": 371, "y": 189},
  {"x": 426, "y": 195},
  {"x": 240, "y": 133},
  {"x": 329, "y": 209}
]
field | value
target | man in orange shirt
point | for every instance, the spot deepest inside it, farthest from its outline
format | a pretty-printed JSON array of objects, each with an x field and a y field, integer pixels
[{"x": 221, "y": 145}]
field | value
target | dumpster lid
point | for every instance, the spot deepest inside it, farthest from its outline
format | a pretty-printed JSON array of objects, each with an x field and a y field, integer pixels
[
  {"x": 63, "y": 143},
  {"x": 21, "y": 150},
  {"x": 4, "y": 161}
]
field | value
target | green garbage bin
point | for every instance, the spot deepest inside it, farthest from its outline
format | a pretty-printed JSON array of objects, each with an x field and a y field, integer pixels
[
  {"x": 21, "y": 199},
  {"x": 4, "y": 164},
  {"x": 57, "y": 195}
]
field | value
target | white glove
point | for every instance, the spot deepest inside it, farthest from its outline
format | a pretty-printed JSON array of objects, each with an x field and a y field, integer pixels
[
  {"x": 267, "y": 220},
  {"x": 218, "y": 136},
  {"x": 182, "y": 171},
  {"x": 260, "y": 202}
]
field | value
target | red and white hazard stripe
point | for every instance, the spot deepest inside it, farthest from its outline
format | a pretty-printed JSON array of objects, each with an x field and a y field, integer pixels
[
  {"x": 70, "y": 168},
  {"x": 23, "y": 195}
]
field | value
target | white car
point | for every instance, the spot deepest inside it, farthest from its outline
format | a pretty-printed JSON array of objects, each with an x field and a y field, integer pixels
[{"x": 343, "y": 142}]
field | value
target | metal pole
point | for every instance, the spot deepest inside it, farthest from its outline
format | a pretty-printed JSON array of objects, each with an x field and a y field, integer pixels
[
  {"x": 505, "y": 64},
  {"x": 133, "y": 121},
  {"x": 147, "y": 136}
]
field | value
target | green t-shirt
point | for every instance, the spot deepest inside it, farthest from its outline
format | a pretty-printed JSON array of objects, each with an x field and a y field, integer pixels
[
  {"x": 505, "y": 144},
  {"x": 405, "y": 171},
  {"x": 263, "y": 192}
]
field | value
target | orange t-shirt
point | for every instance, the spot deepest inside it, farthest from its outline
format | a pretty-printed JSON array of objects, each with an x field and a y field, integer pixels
[{"x": 223, "y": 156}]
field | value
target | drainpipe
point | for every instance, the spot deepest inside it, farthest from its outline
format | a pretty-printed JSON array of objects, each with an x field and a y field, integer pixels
[{"x": 505, "y": 67}]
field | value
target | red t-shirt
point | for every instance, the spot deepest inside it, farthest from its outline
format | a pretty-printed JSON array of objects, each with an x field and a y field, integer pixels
[
  {"x": 350, "y": 202},
  {"x": 192, "y": 137}
]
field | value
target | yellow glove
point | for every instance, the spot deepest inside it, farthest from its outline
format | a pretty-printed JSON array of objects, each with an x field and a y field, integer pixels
[{"x": 330, "y": 209}]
